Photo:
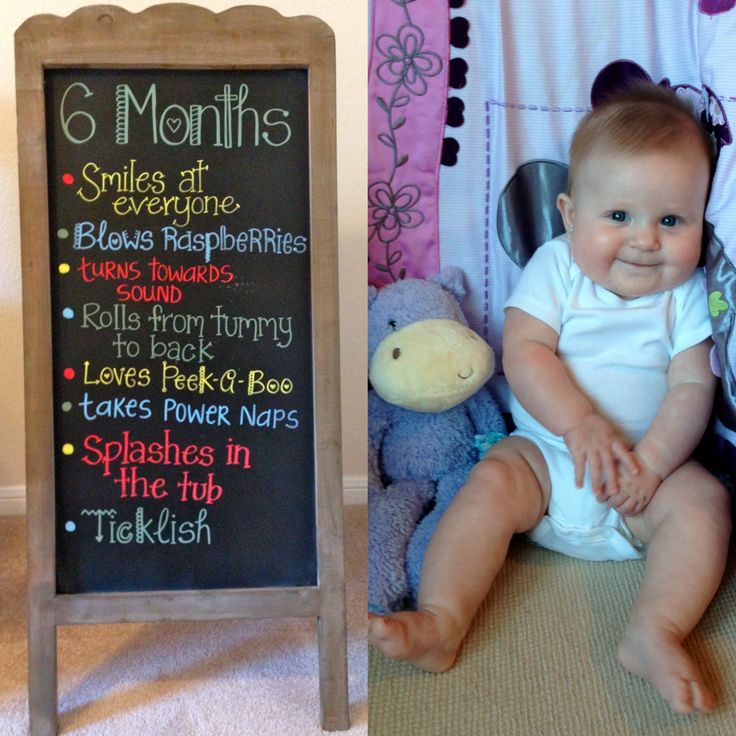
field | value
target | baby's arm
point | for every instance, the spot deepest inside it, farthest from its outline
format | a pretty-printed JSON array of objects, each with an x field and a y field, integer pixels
[
  {"x": 676, "y": 430},
  {"x": 543, "y": 386}
]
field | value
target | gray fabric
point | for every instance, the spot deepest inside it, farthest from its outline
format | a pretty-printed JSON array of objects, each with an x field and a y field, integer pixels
[
  {"x": 721, "y": 276},
  {"x": 527, "y": 215}
]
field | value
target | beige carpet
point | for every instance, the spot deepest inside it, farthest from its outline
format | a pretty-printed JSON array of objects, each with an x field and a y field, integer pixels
[
  {"x": 540, "y": 661},
  {"x": 182, "y": 679}
]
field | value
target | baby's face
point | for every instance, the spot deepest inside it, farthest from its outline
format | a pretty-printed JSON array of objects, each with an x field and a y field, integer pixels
[{"x": 637, "y": 220}]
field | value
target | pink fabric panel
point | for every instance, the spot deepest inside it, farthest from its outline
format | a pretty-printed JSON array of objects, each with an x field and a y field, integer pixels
[{"x": 407, "y": 96}]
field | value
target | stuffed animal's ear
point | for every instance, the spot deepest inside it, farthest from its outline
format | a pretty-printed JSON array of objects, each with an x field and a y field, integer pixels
[
  {"x": 372, "y": 294},
  {"x": 451, "y": 278}
]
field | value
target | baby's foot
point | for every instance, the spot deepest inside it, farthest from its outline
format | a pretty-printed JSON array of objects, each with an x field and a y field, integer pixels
[
  {"x": 658, "y": 656},
  {"x": 417, "y": 637}
]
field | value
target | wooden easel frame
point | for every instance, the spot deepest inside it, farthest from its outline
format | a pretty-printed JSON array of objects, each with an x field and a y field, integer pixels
[{"x": 178, "y": 36}]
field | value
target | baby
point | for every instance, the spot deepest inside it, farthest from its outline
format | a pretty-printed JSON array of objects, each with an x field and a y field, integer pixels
[{"x": 606, "y": 349}]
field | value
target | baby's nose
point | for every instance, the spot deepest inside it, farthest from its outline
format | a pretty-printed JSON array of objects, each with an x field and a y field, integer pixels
[{"x": 646, "y": 237}]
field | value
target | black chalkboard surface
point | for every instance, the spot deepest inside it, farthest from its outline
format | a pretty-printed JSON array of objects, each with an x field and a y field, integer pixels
[
  {"x": 180, "y": 297},
  {"x": 178, "y": 211}
]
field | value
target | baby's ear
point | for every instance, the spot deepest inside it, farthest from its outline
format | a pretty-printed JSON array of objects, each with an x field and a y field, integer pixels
[{"x": 567, "y": 210}]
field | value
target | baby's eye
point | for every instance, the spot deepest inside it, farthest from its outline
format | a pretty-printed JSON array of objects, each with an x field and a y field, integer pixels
[
  {"x": 618, "y": 216},
  {"x": 670, "y": 220}
]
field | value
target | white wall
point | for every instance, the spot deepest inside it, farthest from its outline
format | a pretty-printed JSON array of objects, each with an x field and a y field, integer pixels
[{"x": 348, "y": 19}]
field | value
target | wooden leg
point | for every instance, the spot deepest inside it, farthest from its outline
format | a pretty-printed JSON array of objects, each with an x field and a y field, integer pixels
[
  {"x": 42, "y": 687},
  {"x": 331, "y": 622},
  {"x": 333, "y": 671}
]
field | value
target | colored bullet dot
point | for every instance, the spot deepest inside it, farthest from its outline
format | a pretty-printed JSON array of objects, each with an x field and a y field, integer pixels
[
  {"x": 70, "y": 526},
  {"x": 66, "y": 406},
  {"x": 64, "y": 268},
  {"x": 69, "y": 373},
  {"x": 62, "y": 233},
  {"x": 68, "y": 179},
  {"x": 68, "y": 448},
  {"x": 68, "y": 313}
]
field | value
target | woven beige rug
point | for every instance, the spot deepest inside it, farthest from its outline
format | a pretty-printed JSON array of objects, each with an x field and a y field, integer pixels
[{"x": 540, "y": 661}]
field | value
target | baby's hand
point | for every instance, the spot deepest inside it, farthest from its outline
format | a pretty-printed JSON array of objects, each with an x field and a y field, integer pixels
[
  {"x": 634, "y": 491},
  {"x": 596, "y": 443}
]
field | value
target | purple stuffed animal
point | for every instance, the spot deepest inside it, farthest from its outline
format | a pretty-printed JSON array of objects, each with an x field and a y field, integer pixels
[{"x": 427, "y": 409}]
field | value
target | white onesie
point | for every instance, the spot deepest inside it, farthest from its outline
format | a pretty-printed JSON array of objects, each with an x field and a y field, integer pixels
[{"x": 619, "y": 351}]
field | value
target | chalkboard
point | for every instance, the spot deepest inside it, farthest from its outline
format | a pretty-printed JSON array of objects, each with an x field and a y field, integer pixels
[
  {"x": 178, "y": 206},
  {"x": 179, "y": 230}
]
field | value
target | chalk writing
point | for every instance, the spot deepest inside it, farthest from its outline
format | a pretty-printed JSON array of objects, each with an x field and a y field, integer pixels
[
  {"x": 253, "y": 328},
  {"x": 130, "y": 451},
  {"x": 89, "y": 235},
  {"x": 182, "y": 332},
  {"x": 160, "y": 529},
  {"x": 175, "y": 125}
]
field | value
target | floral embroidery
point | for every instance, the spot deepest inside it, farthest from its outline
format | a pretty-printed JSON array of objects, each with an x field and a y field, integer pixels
[
  {"x": 406, "y": 62},
  {"x": 391, "y": 211},
  {"x": 405, "y": 67}
]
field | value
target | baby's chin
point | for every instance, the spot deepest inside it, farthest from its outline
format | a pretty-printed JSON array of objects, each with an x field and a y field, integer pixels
[{"x": 633, "y": 281}]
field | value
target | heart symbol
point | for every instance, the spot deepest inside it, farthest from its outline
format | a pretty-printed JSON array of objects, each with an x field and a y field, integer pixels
[
  {"x": 716, "y": 305},
  {"x": 173, "y": 125}
]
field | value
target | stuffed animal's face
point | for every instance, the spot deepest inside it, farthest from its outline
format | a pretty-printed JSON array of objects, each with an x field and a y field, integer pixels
[
  {"x": 431, "y": 366},
  {"x": 423, "y": 356}
]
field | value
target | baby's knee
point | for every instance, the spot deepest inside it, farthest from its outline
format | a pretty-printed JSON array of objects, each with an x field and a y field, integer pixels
[
  {"x": 708, "y": 506},
  {"x": 506, "y": 486},
  {"x": 494, "y": 478}
]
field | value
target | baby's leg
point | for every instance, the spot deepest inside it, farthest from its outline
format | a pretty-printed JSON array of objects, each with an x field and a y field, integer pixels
[
  {"x": 689, "y": 524},
  {"x": 506, "y": 492}
]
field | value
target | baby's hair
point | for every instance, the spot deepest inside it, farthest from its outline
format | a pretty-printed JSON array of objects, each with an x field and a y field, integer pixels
[{"x": 643, "y": 118}]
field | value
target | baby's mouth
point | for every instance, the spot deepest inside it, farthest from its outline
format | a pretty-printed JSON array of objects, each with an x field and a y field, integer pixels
[{"x": 636, "y": 264}]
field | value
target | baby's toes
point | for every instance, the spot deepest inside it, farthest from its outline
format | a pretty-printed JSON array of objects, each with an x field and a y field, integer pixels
[
  {"x": 690, "y": 696},
  {"x": 681, "y": 697},
  {"x": 703, "y": 699}
]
